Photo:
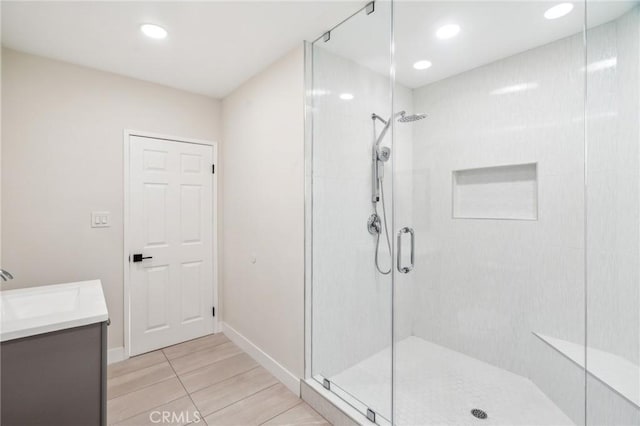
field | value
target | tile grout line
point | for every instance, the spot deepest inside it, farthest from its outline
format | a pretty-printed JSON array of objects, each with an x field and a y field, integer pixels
[
  {"x": 247, "y": 397},
  {"x": 279, "y": 414},
  {"x": 228, "y": 378},
  {"x": 192, "y": 372},
  {"x": 206, "y": 365},
  {"x": 218, "y": 382},
  {"x": 178, "y": 377},
  {"x": 196, "y": 351},
  {"x": 137, "y": 414},
  {"x": 138, "y": 369},
  {"x": 152, "y": 384},
  {"x": 243, "y": 398},
  {"x": 186, "y": 391},
  {"x": 143, "y": 387}
]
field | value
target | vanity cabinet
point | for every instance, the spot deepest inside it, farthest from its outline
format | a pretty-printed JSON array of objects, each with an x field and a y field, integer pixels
[{"x": 55, "y": 378}]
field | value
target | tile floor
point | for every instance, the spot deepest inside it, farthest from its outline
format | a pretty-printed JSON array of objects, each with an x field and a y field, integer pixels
[{"x": 210, "y": 379}]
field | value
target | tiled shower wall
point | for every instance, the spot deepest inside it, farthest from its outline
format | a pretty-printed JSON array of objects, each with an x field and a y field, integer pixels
[
  {"x": 487, "y": 285},
  {"x": 484, "y": 286}
]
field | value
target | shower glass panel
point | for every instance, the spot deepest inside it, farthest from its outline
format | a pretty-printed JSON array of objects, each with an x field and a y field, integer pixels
[
  {"x": 351, "y": 261},
  {"x": 613, "y": 215},
  {"x": 492, "y": 184}
]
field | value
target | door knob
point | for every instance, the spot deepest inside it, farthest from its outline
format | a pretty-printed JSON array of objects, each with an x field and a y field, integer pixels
[{"x": 139, "y": 258}]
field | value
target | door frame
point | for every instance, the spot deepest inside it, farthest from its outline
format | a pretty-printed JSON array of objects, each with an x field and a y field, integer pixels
[{"x": 127, "y": 134}]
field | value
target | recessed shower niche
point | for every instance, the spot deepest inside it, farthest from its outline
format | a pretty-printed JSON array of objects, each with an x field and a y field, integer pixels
[{"x": 498, "y": 192}]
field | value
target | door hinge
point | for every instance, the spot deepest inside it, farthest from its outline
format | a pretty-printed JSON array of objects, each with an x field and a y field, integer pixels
[
  {"x": 371, "y": 415},
  {"x": 213, "y": 169},
  {"x": 370, "y": 8},
  {"x": 213, "y": 311}
]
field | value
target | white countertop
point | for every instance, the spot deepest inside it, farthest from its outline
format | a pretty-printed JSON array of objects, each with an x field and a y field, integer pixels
[{"x": 36, "y": 310}]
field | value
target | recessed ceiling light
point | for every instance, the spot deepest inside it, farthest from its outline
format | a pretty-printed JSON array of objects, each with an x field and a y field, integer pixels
[
  {"x": 346, "y": 96},
  {"x": 422, "y": 65},
  {"x": 153, "y": 31},
  {"x": 558, "y": 10},
  {"x": 447, "y": 31}
]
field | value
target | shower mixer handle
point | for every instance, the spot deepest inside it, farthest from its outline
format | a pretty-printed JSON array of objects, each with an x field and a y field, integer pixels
[{"x": 406, "y": 269}]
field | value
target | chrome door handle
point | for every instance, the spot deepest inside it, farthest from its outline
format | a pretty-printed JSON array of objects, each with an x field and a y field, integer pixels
[{"x": 406, "y": 269}]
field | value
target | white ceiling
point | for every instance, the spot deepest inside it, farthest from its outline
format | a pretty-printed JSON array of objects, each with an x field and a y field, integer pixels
[
  {"x": 491, "y": 30},
  {"x": 215, "y": 46},
  {"x": 212, "y": 47}
]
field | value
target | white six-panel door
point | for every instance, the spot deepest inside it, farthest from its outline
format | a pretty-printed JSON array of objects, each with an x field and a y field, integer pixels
[{"x": 171, "y": 223}]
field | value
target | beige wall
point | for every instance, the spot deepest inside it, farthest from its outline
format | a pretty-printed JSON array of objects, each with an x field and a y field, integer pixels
[
  {"x": 62, "y": 158},
  {"x": 264, "y": 211}
]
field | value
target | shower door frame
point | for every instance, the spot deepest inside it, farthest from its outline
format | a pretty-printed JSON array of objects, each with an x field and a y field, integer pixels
[{"x": 338, "y": 399}]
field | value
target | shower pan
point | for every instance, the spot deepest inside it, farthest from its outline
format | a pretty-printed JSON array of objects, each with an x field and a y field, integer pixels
[{"x": 477, "y": 264}]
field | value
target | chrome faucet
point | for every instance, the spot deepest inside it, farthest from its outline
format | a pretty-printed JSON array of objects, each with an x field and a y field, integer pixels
[{"x": 5, "y": 275}]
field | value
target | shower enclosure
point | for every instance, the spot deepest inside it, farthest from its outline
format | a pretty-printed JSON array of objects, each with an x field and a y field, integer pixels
[{"x": 473, "y": 213}]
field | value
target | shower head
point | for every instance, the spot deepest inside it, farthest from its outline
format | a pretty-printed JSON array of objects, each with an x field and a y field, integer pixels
[
  {"x": 410, "y": 118},
  {"x": 382, "y": 154},
  {"x": 402, "y": 118}
]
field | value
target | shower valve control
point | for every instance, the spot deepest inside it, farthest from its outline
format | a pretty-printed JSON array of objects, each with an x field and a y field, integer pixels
[{"x": 374, "y": 225}]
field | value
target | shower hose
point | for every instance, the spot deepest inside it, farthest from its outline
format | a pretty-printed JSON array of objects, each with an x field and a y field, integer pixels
[{"x": 386, "y": 231}]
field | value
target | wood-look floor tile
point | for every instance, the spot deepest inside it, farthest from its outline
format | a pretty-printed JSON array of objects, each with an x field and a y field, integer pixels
[
  {"x": 227, "y": 392},
  {"x": 178, "y": 412},
  {"x": 138, "y": 379},
  {"x": 300, "y": 415},
  {"x": 135, "y": 363},
  {"x": 255, "y": 409},
  {"x": 217, "y": 372},
  {"x": 144, "y": 399},
  {"x": 198, "y": 359},
  {"x": 194, "y": 345}
]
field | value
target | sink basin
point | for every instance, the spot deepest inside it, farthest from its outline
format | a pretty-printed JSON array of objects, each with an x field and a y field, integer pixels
[
  {"x": 22, "y": 306},
  {"x": 36, "y": 310}
]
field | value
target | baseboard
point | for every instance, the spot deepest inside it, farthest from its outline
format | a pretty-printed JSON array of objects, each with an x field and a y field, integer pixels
[
  {"x": 289, "y": 379},
  {"x": 115, "y": 355}
]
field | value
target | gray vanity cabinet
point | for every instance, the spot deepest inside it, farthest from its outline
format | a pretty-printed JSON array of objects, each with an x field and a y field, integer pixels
[{"x": 56, "y": 378}]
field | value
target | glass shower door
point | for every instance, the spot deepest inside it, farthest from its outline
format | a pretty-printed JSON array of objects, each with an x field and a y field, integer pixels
[
  {"x": 351, "y": 285},
  {"x": 489, "y": 302}
]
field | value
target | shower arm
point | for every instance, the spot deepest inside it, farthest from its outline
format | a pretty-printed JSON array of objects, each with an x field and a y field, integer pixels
[{"x": 387, "y": 124}]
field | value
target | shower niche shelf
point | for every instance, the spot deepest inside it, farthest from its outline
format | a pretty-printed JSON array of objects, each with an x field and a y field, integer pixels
[{"x": 499, "y": 192}]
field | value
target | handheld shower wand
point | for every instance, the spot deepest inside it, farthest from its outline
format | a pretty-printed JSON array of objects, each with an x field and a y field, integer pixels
[{"x": 379, "y": 156}]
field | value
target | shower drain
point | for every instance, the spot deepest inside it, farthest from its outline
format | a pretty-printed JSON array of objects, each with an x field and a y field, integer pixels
[{"x": 479, "y": 414}]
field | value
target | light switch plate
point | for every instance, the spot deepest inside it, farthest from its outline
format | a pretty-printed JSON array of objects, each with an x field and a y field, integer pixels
[{"x": 100, "y": 219}]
